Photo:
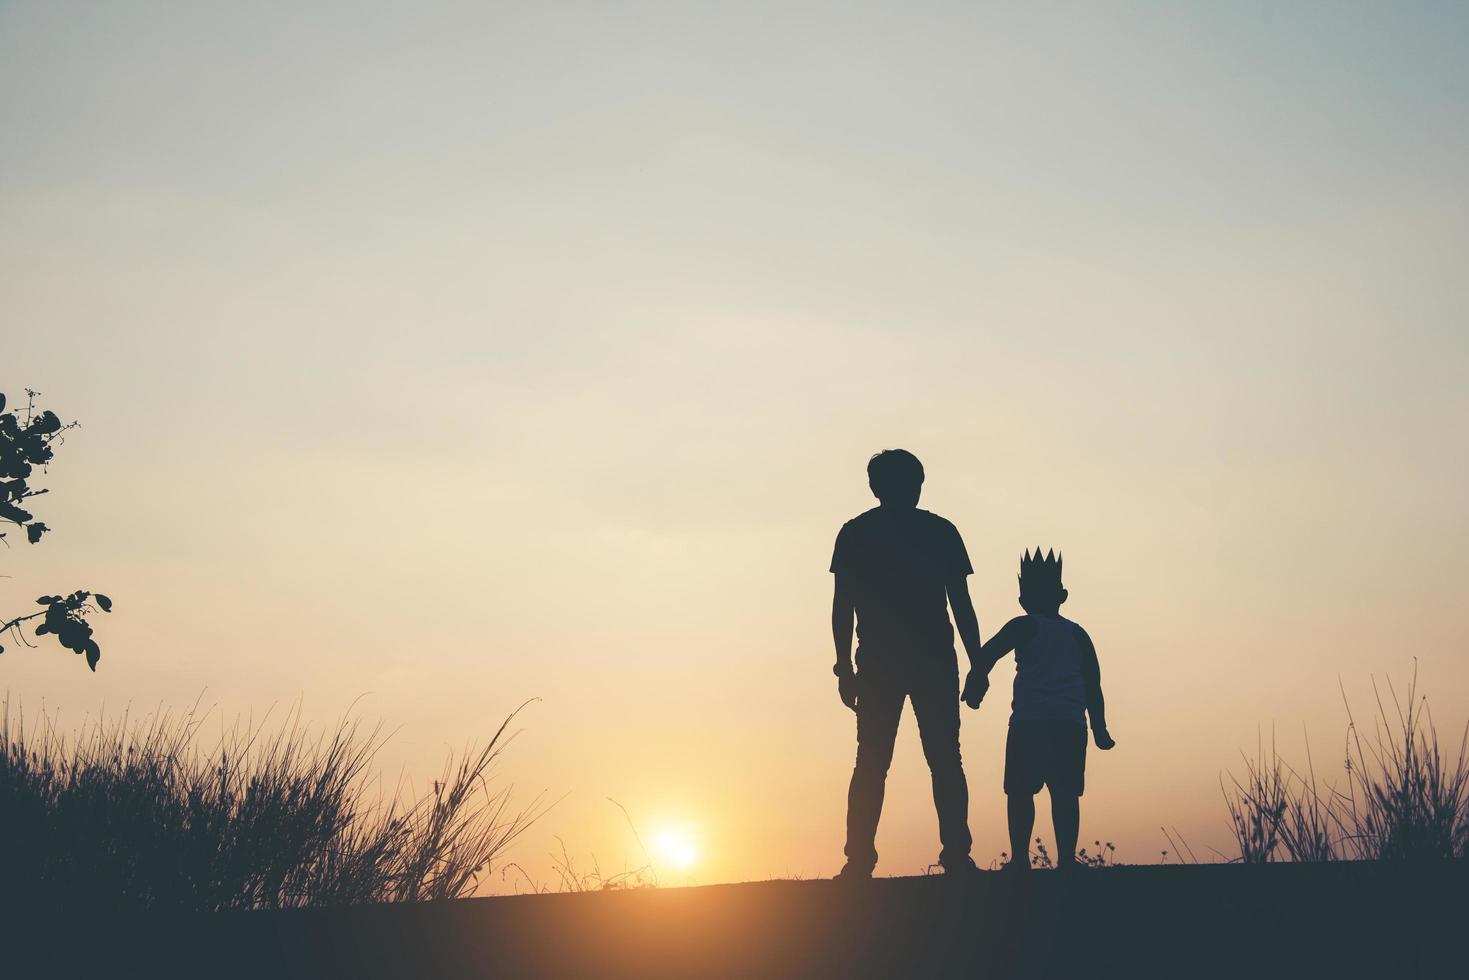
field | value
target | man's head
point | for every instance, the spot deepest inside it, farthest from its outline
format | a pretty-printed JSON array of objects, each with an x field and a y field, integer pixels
[
  {"x": 896, "y": 478},
  {"x": 1041, "y": 590}
]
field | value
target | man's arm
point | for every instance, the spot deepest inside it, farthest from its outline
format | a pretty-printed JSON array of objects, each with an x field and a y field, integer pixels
[
  {"x": 1096, "y": 707},
  {"x": 965, "y": 619},
  {"x": 843, "y": 608}
]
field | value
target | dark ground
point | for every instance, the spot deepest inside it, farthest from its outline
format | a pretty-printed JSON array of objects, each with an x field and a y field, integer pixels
[{"x": 1228, "y": 921}]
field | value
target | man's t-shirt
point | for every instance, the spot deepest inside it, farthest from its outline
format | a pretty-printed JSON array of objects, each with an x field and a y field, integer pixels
[{"x": 897, "y": 563}]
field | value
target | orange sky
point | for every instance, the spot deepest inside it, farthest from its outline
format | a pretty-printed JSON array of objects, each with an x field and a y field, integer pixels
[{"x": 463, "y": 356}]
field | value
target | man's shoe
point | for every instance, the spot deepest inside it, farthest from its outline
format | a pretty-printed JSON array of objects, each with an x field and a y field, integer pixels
[
  {"x": 851, "y": 872},
  {"x": 961, "y": 869},
  {"x": 1015, "y": 867}
]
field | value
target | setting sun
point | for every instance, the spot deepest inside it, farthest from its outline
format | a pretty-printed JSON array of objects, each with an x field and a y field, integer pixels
[{"x": 675, "y": 846}]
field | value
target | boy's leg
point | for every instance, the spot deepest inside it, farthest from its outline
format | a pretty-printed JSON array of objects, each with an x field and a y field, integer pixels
[
  {"x": 1020, "y": 809},
  {"x": 1066, "y": 818},
  {"x": 1066, "y": 780},
  {"x": 1024, "y": 762},
  {"x": 936, "y": 706},
  {"x": 879, "y": 707}
]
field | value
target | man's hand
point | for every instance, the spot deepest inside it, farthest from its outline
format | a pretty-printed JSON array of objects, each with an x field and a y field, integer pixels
[
  {"x": 847, "y": 688},
  {"x": 1102, "y": 738},
  {"x": 976, "y": 685}
]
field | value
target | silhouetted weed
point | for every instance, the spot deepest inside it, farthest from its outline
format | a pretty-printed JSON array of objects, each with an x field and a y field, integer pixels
[{"x": 136, "y": 816}]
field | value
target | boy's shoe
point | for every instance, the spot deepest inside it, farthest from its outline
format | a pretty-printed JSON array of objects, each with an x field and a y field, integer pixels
[
  {"x": 851, "y": 872},
  {"x": 1072, "y": 867}
]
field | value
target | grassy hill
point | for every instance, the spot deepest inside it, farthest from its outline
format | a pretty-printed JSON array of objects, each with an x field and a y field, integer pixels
[{"x": 1299, "y": 921}]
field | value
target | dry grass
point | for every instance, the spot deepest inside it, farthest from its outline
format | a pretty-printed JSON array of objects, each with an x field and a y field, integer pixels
[
  {"x": 1402, "y": 796},
  {"x": 574, "y": 879},
  {"x": 135, "y": 814}
]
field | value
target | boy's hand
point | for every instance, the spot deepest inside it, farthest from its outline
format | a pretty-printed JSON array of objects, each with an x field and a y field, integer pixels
[
  {"x": 1103, "y": 739},
  {"x": 847, "y": 689},
  {"x": 976, "y": 685}
]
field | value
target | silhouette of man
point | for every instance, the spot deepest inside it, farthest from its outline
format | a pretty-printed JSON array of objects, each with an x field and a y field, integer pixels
[{"x": 898, "y": 570}]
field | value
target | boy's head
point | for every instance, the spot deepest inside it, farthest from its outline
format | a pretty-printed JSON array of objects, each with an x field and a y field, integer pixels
[
  {"x": 1041, "y": 590},
  {"x": 896, "y": 477}
]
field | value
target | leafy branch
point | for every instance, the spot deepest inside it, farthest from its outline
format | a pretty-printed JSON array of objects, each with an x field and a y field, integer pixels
[
  {"x": 66, "y": 619},
  {"x": 27, "y": 444}
]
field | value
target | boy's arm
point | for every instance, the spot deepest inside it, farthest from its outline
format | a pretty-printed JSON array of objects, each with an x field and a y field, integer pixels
[
  {"x": 1007, "y": 639},
  {"x": 1096, "y": 707},
  {"x": 1003, "y": 642}
]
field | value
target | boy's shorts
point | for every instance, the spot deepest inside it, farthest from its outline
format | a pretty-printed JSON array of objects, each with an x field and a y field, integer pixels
[{"x": 1045, "y": 753}]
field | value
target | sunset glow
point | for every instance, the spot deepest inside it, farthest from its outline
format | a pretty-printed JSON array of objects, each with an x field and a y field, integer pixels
[{"x": 675, "y": 848}]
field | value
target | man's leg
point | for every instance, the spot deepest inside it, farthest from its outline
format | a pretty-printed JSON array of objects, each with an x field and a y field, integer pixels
[
  {"x": 936, "y": 706},
  {"x": 879, "y": 707},
  {"x": 1020, "y": 809},
  {"x": 1066, "y": 818}
]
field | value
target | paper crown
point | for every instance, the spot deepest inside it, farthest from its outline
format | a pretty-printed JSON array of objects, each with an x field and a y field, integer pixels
[{"x": 1038, "y": 572}]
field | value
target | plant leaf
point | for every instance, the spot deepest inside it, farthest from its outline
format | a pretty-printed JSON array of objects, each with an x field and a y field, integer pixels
[
  {"x": 46, "y": 423},
  {"x": 13, "y": 513},
  {"x": 103, "y": 601}
]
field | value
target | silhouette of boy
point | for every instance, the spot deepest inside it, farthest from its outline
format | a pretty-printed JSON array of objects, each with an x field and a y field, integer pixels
[
  {"x": 1057, "y": 684},
  {"x": 899, "y": 570}
]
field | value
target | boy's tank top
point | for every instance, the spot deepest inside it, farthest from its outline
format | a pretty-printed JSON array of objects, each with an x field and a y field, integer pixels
[{"x": 1048, "y": 682}]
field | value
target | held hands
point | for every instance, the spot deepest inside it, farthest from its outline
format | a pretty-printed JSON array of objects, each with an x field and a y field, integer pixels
[
  {"x": 1103, "y": 739},
  {"x": 976, "y": 685}
]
